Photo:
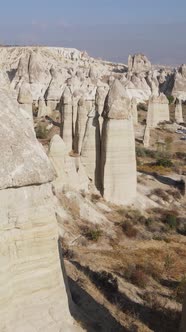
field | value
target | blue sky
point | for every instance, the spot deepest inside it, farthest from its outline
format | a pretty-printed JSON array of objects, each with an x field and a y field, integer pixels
[{"x": 110, "y": 29}]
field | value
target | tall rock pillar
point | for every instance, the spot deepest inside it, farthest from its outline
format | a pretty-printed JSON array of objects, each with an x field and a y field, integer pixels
[{"x": 118, "y": 159}]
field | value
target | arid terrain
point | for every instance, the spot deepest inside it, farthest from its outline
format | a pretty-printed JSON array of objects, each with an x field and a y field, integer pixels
[{"x": 92, "y": 193}]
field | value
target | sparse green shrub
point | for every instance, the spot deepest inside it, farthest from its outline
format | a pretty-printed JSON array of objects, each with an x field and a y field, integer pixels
[
  {"x": 41, "y": 132},
  {"x": 170, "y": 99},
  {"x": 140, "y": 151},
  {"x": 164, "y": 162},
  {"x": 171, "y": 221},
  {"x": 144, "y": 152},
  {"x": 92, "y": 234},
  {"x": 148, "y": 222}
]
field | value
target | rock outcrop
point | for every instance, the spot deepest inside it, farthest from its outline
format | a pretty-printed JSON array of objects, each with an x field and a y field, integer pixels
[
  {"x": 91, "y": 148},
  {"x": 179, "y": 84},
  {"x": 67, "y": 118},
  {"x": 70, "y": 172},
  {"x": 138, "y": 63},
  {"x": 33, "y": 296},
  {"x": 134, "y": 111},
  {"x": 25, "y": 98},
  {"x": 118, "y": 162},
  {"x": 178, "y": 111},
  {"x": 158, "y": 110},
  {"x": 80, "y": 125}
]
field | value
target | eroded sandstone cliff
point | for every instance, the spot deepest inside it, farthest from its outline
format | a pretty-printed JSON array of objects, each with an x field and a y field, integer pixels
[{"x": 33, "y": 295}]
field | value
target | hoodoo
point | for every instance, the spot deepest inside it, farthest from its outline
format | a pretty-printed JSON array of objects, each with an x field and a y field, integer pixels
[
  {"x": 32, "y": 290},
  {"x": 118, "y": 148}
]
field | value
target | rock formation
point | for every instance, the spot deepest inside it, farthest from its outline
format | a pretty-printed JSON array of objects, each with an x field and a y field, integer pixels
[
  {"x": 138, "y": 63},
  {"x": 91, "y": 148},
  {"x": 118, "y": 161},
  {"x": 158, "y": 110},
  {"x": 178, "y": 111},
  {"x": 67, "y": 118},
  {"x": 80, "y": 125},
  {"x": 179, "y": 84},
  {"x": 32, "y": 290},
  {"x": 25, "y": 98},
  {"x": 70, "y": 172},
  {"x": 134, "y": 111}
]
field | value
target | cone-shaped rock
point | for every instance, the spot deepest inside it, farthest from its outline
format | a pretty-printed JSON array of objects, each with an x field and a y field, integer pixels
[
  {"x": 34, "y": 68},
  {"x": 134, "y": 111},
  {"x": 25, "y": 98},
  {"x": 33, "y": 296},
  {"x": 91, "y": 148},
  {"x": 67, "y": 118},
  {"x": 80, "y": 125},
  {"x": 23, "y": 67},
  {"x": 158, "y": 110},
  {"x": 178, "y": 111},
  {"x": 118, "y": 159}
]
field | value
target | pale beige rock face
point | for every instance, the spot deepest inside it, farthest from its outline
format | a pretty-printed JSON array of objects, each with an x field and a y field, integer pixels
[
  {"x": 70, "y": 172},
  {"x": 33, "y": 297},
  {"x": 35, "y": 68},
  {"x": 23, "y": 161},
  {"x": 179, "y": 88},
  {"x": 23, "y": 67},
  {"x": 91, "y": 148},
  {"x": 118, "y": 161},
  {"x": 158, "y": 110},
  {"x": 80, "y": 125},
  {"x": 134, "y": 111},
  {"x": 67, "y": 115},
  {"x": 117, "y": 104},
  {"x": 139, "y": 63},
  {"x": 146, "y": 139},
  {"x": 25, "y": 96},
  {"x": 178, "y": 112},
  {"x": 42, "y": 108}
]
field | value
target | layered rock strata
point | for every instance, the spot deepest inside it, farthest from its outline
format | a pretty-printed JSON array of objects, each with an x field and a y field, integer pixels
[
  {"x": 118, "y": 161},
  {"x": 158, "y": 110},
  {"x": 178, "y": 111},
  {"x": 91, "y": 148},
  {"x": 33, "y": 296},
  {"x": 67, "y": 118}
]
